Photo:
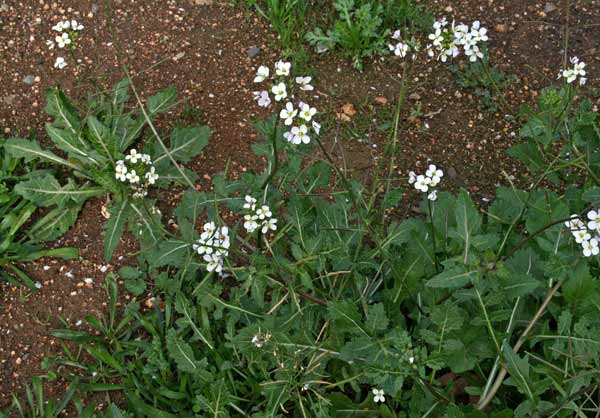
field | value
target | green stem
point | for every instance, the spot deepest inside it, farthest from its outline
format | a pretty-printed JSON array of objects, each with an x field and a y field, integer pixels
[{"x": 435, "y": 260}]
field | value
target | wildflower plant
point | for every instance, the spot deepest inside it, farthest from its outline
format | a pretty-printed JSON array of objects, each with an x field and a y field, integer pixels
[
  {"x": 343, "y": 307},
  {"x": 21, "y": 234},
  {"x": 67, "y": 33},
  {"x": 101, "y": 154}
]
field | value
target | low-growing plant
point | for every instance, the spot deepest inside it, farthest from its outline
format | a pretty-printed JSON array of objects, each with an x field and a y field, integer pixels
[
  {"x": 362, "y": 27},
  {"x": 100, "y": 146},
  {"x": 20, "y": 235},
  {"x": 317, "y": 303},
  {"x": 487, "y": 82}
]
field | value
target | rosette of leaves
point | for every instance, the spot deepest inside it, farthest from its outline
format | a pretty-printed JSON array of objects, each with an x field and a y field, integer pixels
[
  {"x": 20, "y": 233},
  {"x": 90, "y": 141}
]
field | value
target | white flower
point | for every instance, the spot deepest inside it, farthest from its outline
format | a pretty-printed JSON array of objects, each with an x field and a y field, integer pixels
[
  {"x": 590, "y": 247},
  {"x": 250, "y": 223},
  {"x": 581, "y": 236},
  {"x": 258, "y": 341},
  {"x": 63, "y": 40},
  {"x": 300, "y": 135},
  {"x": 280, "y": 91},
  {"x": 316, "y": 127},
  {"x": 305, "y": 83},
  {"x": 263, "y": 212},
  {"x": 151, "y": 176},
  {"x": 397, "y": 35},
  {"x": 283, "y": 68},
  {"x": 432, "y": 196},
  {"x": 250, "y": 202},
  {"x": 75, "y": 25},
  {"x": 571, "y": 74},
  {"x": 50, "y": 44},
  {"x": 132, "y": 177},
  {"x": 120, "y": 171},
  {"x": 133, "y": 156},
  {"x": 288, "y": 113},
  {"x": 412, "y": 177},
  {"x": 262, "y": 74},
  {"x": 594, "y": 218},
  {"x": 214, "y": 262},
  {"x": 263, "y": 98},
  {"x": 378, "y": 395},
  {"x": 411, "y": 360},
  {"x": 307, "y": 112},
  {"x": 269, "y": 224},
  {"x": 474, "y": 53},
  {"x": 60, "y": 63},
  {"x": 400, "y": 49},
  {"x": 575, "y": 223},
  {"x": 140, "y": 194},
  {"x": 146, "y": 159},
  {"x": 58, "y": 27},
  {"x": 422, "y": 183},
  {"x": 434, "y": 174}
]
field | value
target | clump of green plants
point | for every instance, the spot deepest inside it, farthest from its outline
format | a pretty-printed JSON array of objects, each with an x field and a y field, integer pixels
[
  {"x": 22, "y": 229},
  {"x": 290, "y": 19},
  {"x": 312, "y": 301},
  {"x": 100, "y": 148},
  {"x": 362, "y": 27}
]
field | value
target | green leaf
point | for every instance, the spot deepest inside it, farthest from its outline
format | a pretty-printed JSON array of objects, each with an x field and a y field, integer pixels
[
  {"x": 30, "y": 150},
  {"x": 66, "y": 141},
  {"x": 453, "y": 278},
  {"x": 47, "y": 191},
  {"x": 468, "y": 222},
  {"x": 186, "y": 143},
  {"x": 529, "y": 154},
  {"x": 162, "y": 100},
  {"x": 55, "y": 223},
  {"x": 181, "y": 352},
  {"x": 518, "y": 368},
  {"x": 376, "y": 318},
  {"x": 102, "y": 139},
  {"x": 113, "y": 228}
]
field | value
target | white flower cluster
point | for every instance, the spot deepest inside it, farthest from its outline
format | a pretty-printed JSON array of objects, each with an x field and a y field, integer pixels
[
  {"x": 433, "y": 177},
  {"x": 213, "y": 246},
  {"x": 300, "y": 118},
  {"x": 447, "y": 40},
  {"x": 138, "y": 171},
  {"x": 588, "y": 236},
  {"x": 258, "y": 217},
  {"x": 401, "y": 49},
  {"x": 578, "y": 71},
  {"x": 68, "y": 34}
]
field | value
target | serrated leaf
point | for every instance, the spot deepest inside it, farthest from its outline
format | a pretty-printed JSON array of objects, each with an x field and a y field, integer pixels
[
  {"x": 31, "y": 150},
  {"x": 66, "y": 141},
  {"x": 376, "y": 318},
  {"x": 162, "y": 100},
  {"x": 452, "y": 278},
  {"x": 181, "y": 352},
  {"x": 47, "y": 191},
  {"x": 102, "y": 138},
  {"x": 55, "y": 223},
  {"x": 186, "y": 143}
]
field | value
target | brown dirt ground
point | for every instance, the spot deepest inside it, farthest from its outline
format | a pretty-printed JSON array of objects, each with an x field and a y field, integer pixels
[{"x": 202, "y": 50}]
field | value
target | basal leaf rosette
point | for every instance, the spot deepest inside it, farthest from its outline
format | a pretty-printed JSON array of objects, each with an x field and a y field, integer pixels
[{"x": 137, "y": 171}]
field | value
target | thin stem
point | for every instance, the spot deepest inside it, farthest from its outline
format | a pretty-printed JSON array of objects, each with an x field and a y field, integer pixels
[
  {"x": 485, "y": 401},
  {"x": 435, "y": 260}
]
